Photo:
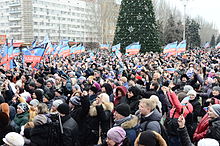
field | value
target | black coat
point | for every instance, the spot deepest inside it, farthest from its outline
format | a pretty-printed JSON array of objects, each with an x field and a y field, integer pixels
[
  {"x": 214, "y": 129},
  {"x": 184, "y": 137},
  {"x": 70, "y": 131},
  {"x": 5, "y": 130},
  {"x": 39, "y": 135},
  {"x": 133, "y": 102}
]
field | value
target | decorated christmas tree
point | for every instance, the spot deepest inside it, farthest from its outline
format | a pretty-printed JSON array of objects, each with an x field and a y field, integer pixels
[{"x": 136, "y": 23}]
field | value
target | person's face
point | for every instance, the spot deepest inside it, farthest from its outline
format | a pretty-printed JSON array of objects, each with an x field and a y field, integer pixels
[
  {"x": 23, "y": 79},
  {"x": 110, "y": 142},
  {"x": 130, "y": 94},
  {"x": 184, "y": 79},
  {"x": 38, "y": 84},
  {"x": 49, "y": 85},
  {"x": 144, "y": 110},
  {"x": 45, "y": 100},
  {"x": 119, "y": 93},
  {"x": 34, "y": 96},
  {"x": 211, "y": 114},
  {"x": 31, "y": 88},
  {"x": 118, "y": 116},
  {"x": 19, "y": 110},
  {"x": 192, "y": 97},
  {"x": 103, "y": 89},
  {"x": 53, "y": 109},
  {"x": 91, "y": 92},
  {"x": 215, "y": 93}
]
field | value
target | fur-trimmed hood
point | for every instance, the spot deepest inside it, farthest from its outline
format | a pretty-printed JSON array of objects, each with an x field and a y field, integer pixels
[
  {"x": 130, "y": 123},
  {"x": 106, "y": 106}
]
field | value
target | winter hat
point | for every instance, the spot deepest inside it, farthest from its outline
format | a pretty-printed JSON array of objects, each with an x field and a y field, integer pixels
[
  {"x": 117, "y": 134},
  {"x": 192, "y": 92},
  {"x": 184, "y": 76},
  {"x": 123, "y": 109},
  {"x": 5, "y": 108},
  {"x": 147, "y": 138},
  {"x": 57, "y": 102},
  {"x": 40, "y": 120},
  {"x": 97, "y": 85},
  {"x": 108, "y": 88},
  {"x": 216, "y": 88},
  {"x": 34, "y": 102},
  {"x": 135, "y": 90},
  {"x": 63, "y": 108},
  {"x": 75, "y": 100},
  {"x": 138, "y": 77},
  {"x": 39, "y": 93},
  {"x": 208, "y": 142},
  {"x": 94, "y": 89},
  {"x": 48, "y": 95},
  {"x": 13, "y": 139},
  {"x": 59, "y": 91},
  {"x": 216, "y": 109},
  {"x": 187, "y": 88},
  {"x": 32, "y": 84},
  {"x": 4, "y": 120},
  {"x": 23, "y": 107},
  {"x": 40, "y": 80}
]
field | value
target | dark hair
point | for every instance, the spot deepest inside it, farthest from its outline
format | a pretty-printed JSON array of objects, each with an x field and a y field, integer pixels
[
  {"x": 156, "y": 85},
  {"x": 126, "y": 142}
]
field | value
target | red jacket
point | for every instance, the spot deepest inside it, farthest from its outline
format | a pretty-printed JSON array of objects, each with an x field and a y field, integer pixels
[
  {"x": 202, "y": 128},
  {"x": 178, "y": 107}
]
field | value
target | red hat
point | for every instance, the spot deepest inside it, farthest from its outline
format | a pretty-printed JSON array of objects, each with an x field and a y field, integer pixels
[{"x": 139, "y": 77}]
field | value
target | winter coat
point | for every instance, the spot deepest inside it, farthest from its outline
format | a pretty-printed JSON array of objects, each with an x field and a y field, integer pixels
[
  {"x": 178, "y": 108},
  {"x": 117, "y": 99},
  {"x": 79, "y": 114},
  {"x": 130, "y": 126},
  {"x": 192, "y": 118},
  {"x": 39, "y": 135},
  {"x": 214, "y": 129},
  {"x": 184, "y": 137},
  {"x": 133, "y": 102},
  {"x": 5, "y": 130},
  {"x": 151, "y": 121},
  {"x": 202, "y": 128},
  {"x": 99, "y": 116},
  {"x": 20, "y": 120},
  {"x": 70, "y": 131}
]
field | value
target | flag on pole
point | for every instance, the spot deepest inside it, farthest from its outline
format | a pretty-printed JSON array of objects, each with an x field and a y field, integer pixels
[
  {"x": 116, "y": 47},
  {"x": 37, "y": 56},
  {"x": 133, "y": 48},
  {"x": 4, "y": 58},
  {"x": 118, "y": 54},
  {"x": 170, "y": 48},
  {"x": 181, "y": 47},
  {"x": 16, "y": 52},
  {"x": 217, "y": 46},
  {"x": 207, "y": 45},
  {"x": 104, "y": 46}
]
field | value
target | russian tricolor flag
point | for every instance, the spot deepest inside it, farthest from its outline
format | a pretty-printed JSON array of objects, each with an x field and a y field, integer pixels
[
  {"x": 133, "y": 48},
  {"x": 170, "y": 48},
  {"x": 104, "y": 46},
  {"x": 116, "y": 47},
  {"x": 181, "y": 47}
]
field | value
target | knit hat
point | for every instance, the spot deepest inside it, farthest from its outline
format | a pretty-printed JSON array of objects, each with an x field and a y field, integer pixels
[
  {"x": 208, "y": 142},
  {"x": 59, "y": 91},
  {"x": 216, "y": 109},
  {"x": 32, "y": 84},
  {"x": 5, "y": 108},
  {"x": 13, "y": 139},
  {"x": 117, "y": 134},
  {"x": 97, "y": 85},
  {"x": 123, "y": 109},
  {"x": 216, "y": 88},
  {"x": 63, "y": 108},
  {"x": 48, "y": 95},
  {"x": 34, "y": 102},
  {"x": 39, "y": 93},
  {"x": 40, "y": 120},
  {"x": 4, "y": 120},
  {"x": 94, "y": 89},
  {"x": 40, "y": 80},
  {"x": 57, "y": 102},
  {"x": 187, "y": 88},
  {"x": 75, "y": 100},
  {"x": 192, "y": 92},
  {"x": 147, "y": 138},
  {"x": 23, "y": 107}
]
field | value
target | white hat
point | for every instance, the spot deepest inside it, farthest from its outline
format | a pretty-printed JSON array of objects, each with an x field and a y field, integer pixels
[
  {"x": 208, "y": 142},
  {"x": 192, "y": 92},
  {"x": 13, "y": 139}
]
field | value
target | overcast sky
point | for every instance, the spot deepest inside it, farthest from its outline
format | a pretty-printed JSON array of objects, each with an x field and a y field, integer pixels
[{"x": 208, "y": 9}]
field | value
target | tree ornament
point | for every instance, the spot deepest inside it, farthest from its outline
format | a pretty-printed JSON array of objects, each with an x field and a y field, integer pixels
[{"x": 130, "y": 29}]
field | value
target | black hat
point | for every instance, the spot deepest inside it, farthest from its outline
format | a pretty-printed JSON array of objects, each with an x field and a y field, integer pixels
[
  {"x": 63, "y": 108},
  {"x": 32, "y": 84},
  {"x": 40, "y": 80},
  {"x": 147, "y": 138},
  {"x": 184, "y": 76},
  {"x": 94, "y": 89},
  {"x": 123, "y": 109}
]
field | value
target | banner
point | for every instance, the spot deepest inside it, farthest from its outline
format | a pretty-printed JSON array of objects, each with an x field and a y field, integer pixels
[{"x": 181, "y": 47}]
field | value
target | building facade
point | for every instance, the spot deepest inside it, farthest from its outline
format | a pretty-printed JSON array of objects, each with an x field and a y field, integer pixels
[{"x": 75, "y": 20}]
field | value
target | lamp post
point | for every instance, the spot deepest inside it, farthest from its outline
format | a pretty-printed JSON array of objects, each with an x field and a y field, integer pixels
[{"x": 184, "y": 18}]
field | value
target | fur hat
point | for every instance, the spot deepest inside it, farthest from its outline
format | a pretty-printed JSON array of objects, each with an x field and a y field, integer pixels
[
  {"x": 123, "y": 109},
  {"x": 63, "y": 108},
  {"x": 13, "y": 139},
  {"x": 57, "y": 102}
]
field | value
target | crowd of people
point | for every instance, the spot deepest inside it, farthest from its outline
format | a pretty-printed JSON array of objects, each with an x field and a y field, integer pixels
[{"x": 140, "y": 100}]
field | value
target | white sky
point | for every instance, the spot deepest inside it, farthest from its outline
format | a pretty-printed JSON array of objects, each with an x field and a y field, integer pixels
[{"x": 208, "y": 9}]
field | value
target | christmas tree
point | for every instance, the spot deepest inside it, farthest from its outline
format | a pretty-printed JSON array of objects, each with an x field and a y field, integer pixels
[{"x": 136, "y": 23}]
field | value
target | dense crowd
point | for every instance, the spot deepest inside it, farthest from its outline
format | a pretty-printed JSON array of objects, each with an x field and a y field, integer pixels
[{"x": 140, "y": 100}]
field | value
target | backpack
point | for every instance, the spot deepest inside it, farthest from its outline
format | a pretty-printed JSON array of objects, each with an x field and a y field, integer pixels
[{"x": 162, "y": 130}]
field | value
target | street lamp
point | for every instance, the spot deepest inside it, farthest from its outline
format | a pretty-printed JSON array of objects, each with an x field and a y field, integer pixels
[{"x": 184, "y": 18}]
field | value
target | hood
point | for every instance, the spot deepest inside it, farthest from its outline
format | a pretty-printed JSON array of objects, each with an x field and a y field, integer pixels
[
  {"x": 123, "y": 89},
  {"x": 130, "y": 123}
]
